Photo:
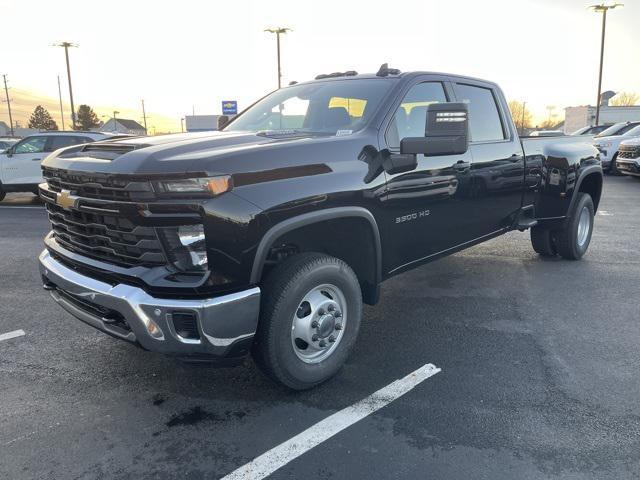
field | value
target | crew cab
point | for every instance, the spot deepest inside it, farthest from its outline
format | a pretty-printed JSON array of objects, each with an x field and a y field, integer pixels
[
  {"x": 268, "y": 236},
  {"x": 20, "y": 162},
  {"x": 608, "y": 141}
]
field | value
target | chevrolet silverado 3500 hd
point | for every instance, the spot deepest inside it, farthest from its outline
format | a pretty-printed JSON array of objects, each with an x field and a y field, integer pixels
[{"x": 268, "y": 236}]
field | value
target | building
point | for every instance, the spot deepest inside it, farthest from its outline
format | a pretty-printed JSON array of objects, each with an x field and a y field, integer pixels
[
  {"x": 123, "y": 125},
  {"x": 201, "y": 123},
  {"x": 578, "y": 117}
]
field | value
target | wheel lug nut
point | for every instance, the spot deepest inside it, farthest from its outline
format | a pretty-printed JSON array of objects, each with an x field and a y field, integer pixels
[
  {"x": 315, "y": 324},
  {"x": 331, "y": 308},
  {"x": 337, "y": 314},
  {"x": 321, "y": 312},
  {"x": 338, "y": 326},
  {"x": 323, "y": 343},
  {"x": 332, "y": 338},
  {"x": 315, "y": 338}
]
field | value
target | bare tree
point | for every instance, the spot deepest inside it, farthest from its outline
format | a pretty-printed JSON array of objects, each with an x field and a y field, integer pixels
[
  {"x": 625, "y": 99},
  {"x": 522, "y": 121}
]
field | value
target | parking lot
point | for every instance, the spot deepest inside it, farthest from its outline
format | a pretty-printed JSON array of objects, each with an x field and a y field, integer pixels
[{"x": 539, "y": 375}]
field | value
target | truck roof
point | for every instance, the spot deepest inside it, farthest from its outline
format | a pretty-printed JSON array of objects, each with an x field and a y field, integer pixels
[{"x": 401, "y": 75}]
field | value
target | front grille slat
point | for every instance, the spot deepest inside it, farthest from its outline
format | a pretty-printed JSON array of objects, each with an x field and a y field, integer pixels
[{"x": 98, "y": 230}]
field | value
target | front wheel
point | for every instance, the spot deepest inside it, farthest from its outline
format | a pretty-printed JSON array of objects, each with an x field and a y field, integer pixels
[
  {"x": 573, "y": 239},
  {"x": 2, "y": 193},
  {"x": 311, "y": 311}
]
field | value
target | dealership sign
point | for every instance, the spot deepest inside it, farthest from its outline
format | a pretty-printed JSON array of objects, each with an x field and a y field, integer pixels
[{"x": 229, "y": 107}]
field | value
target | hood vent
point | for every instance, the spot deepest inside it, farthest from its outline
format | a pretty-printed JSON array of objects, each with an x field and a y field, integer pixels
[{"x": 101, "y": 150}]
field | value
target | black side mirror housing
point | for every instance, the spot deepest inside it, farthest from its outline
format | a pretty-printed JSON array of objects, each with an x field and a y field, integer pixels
[
  {"x": 398, "y": 163},
  {"x": 446, "y": 131}
]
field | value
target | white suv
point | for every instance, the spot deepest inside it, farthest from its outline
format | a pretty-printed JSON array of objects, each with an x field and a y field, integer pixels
[
  {"x": 20, "y": 163},
  {"x": 609, "y": 140},
  {"x": 628, "y": 161}
]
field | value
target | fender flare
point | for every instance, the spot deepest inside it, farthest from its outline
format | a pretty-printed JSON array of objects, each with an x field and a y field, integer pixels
[
  {"x": 307, "y": 219},
  {"x": 583, "y": 174}
]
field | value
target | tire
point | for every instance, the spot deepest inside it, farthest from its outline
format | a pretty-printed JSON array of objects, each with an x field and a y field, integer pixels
[
  {"x": 573, "y": 241},
  {"x": 613, "y": 168},
  {"x": 543, "y": 242},
  {"x": 2, "y": 194},
  {"x": 286, "y": 320}
]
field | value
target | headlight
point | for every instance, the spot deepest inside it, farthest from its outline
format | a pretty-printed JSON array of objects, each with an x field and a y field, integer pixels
[
  {"x": 205, "y": 185},
  {"x": 186, "y": 247}
]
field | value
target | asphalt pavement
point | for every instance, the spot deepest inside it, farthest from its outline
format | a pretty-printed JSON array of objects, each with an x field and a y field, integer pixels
[{"x": 539, "y": 375}]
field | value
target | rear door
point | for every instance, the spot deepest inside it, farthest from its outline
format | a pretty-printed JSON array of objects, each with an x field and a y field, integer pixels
[{"x": 497, "y": 165}]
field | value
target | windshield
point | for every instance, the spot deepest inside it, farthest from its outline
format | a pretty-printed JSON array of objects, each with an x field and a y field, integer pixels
[
  {"x": 633, "y": 132},
  {"x": 617, "y": 129},
  {"x": 333, "y": 107}
]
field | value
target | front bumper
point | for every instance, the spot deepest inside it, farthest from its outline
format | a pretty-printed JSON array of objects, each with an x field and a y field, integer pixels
[
  {"x": 628, "y": 166},
  {"x": 225, "y": 325}
]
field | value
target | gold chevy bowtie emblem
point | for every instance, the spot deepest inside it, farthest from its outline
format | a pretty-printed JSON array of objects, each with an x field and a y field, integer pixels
[{"x": 65, "y": 199}]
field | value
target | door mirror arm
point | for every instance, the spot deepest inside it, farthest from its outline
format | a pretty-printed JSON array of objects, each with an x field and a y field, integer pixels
[{"x": 393, "y": 163}]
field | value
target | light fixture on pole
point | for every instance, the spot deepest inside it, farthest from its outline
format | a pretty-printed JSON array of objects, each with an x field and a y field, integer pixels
[
  {"x": 278, "y": 31},
  {"x": 602, "y": 8},
  {"x": 66, "y": 46}
]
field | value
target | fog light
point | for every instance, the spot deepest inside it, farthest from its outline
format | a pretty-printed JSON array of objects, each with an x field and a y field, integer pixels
[{"x": 186, "y": 247}]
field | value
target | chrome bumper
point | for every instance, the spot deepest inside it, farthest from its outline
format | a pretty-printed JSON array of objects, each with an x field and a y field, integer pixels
[{"x": 225, "y": 324}]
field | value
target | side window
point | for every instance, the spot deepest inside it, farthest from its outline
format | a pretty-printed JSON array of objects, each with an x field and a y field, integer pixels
[
  {"x": 31, "y": 145},
  {"x": 411, "y": 117},
  {"x": 61, "y": 141},
  {"x": 484, "y": 118}
]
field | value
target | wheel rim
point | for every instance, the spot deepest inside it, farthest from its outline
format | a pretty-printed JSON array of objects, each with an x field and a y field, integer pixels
[
  {"x": 318, "y": 324},
  {"x": 584, "y": 225}
]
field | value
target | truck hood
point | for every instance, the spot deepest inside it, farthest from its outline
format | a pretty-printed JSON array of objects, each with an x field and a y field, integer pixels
[
  {"x": 197, "y": 153},
  {"x": 635, "y": 141}
]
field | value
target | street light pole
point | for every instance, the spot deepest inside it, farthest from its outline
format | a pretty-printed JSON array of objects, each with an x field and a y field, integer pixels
[
  {"x": 115, "y": 122},
  {"x": 6, "y": 92},
  {"x": 278, "y": 31},
  {"x": 66, "y": 46},
  {"x": 144, "y": 117},
  {"x": 602, "y": 8}
]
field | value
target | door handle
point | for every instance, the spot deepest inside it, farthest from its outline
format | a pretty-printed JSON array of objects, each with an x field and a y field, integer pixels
[
  {"x": 35, "y": 159},
  {"x": 461, "y": 165}
]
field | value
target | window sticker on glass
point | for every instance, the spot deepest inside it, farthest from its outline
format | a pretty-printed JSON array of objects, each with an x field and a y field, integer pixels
[{"x": 343, "y": 133}]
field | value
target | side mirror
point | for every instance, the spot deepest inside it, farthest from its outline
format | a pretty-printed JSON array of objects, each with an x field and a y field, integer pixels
[
  {"x": 446, "y": 131},
  {"x": 9, "y": 152},
  {"x": 222, "y": 121}
]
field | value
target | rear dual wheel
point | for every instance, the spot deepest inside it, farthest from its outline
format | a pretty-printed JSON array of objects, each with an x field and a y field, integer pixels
[
  {"x": 310, "y": 318},
  {"x": 572, "y": 240}
]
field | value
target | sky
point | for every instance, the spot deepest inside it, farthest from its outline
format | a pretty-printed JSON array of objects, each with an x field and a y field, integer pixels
[{"x": 190, "y": 55}]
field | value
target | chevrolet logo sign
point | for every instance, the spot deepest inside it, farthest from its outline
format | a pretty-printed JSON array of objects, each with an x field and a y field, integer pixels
[{"x": 66, "y": 200}]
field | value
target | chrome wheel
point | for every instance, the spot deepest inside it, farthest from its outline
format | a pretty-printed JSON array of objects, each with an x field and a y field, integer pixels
[
  {"x": 318, "y": 324},
  {"x": 584, "y": 226}
]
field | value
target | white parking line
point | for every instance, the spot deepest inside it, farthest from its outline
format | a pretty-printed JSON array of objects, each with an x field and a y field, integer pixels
[
  {"x": 14, "y": 334},
  {"x": 277, "y": 457}
]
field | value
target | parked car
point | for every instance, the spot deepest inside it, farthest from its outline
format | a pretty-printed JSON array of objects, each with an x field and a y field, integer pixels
[
  {"x": 269, "y": 235},
  {"x": 6, "y": 142},
  {"x": 20, "y": 163},
  {"x": 591, "y": 130},
  {"x": 609, "y": 140},
  {"x": 547, "y": 133},
  {"x": 628, "y": 160}
]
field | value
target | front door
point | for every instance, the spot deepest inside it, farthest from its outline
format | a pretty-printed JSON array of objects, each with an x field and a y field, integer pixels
[
  {"x": 426, "y": 209},
  {"x": 21, "y": 164}
]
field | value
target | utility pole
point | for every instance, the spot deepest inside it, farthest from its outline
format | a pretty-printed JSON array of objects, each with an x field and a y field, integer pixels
[
  {"x": 524, "y": 105},
  {"x": 602, "y": 8},
  {"x": 6, "y": 92},
  {"x": 144, "y": 117},
  {"x": 115, "y": 124},
  {"x": 60, "y": 96},
  {"x": 278, "y": 31},
  {"x": 182, "y": 125},
  {"x": 66, "y": 46}
]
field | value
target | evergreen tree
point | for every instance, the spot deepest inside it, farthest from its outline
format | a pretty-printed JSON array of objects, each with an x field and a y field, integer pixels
[
  {"x": 41, "y": 119},
  {"x": 86, "y": 119}
]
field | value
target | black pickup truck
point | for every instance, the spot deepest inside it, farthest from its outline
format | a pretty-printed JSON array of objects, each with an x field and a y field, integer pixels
[{"x": 268, "y": 236}]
